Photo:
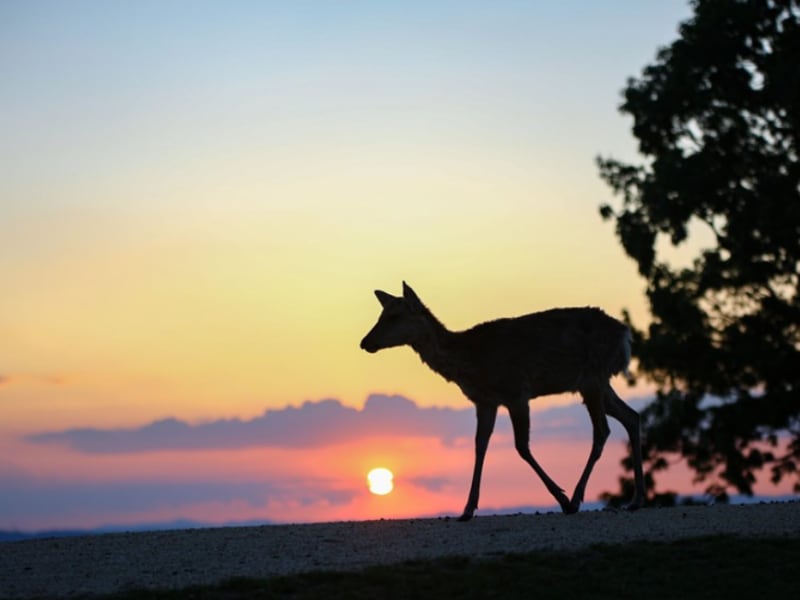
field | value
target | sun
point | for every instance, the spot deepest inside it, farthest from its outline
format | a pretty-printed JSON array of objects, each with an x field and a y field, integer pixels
[{"x": 380, "y": 481}]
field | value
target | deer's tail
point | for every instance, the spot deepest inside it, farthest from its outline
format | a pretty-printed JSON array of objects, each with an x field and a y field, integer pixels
[{"x": 627, "y": 338}]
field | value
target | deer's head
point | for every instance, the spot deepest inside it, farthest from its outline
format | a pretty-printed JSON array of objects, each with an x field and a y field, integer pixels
[{"x": 402, "y": 321}]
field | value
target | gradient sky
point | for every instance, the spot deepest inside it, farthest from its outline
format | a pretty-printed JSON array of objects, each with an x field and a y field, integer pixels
[{"x": 198, "y": 198}]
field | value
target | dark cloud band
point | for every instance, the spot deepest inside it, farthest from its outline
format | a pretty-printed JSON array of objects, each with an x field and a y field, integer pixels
[{"x": 312, "y": 425}]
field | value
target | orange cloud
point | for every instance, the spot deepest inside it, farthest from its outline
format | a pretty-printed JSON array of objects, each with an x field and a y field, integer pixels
[{"x": 38, "y": 379}]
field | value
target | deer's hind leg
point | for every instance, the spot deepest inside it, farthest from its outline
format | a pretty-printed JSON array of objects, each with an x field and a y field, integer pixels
[
  {"x": 520, "y": 420},
  {"x": 593, "y": 398},
  {"x": 629, "y": 418}
]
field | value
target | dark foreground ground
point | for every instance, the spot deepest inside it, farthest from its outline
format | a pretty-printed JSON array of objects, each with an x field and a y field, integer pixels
[{"x": 699, "y": 552}]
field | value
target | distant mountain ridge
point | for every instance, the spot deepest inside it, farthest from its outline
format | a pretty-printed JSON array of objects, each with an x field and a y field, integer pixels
[{"x": 14, "y": 536}]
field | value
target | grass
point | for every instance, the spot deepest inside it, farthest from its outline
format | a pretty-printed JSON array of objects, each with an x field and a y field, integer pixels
[{"x": 711, "y": 567}]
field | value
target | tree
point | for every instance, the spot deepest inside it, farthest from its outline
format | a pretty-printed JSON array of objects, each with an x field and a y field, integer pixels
[{"x": 717, "y": 118}]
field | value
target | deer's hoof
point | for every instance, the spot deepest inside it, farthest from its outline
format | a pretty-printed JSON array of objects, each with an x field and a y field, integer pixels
[
  {"x": 571, "y": 508},
  {"x": 635, "y": 505},
  {"x": 465, "y": 517}
]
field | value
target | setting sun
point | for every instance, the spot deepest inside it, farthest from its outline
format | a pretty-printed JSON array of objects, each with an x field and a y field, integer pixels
[{"x": 380, "y": 481}]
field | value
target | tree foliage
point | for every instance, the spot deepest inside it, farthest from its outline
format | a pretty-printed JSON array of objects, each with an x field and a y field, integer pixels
[{"x": 717, "y": 118}]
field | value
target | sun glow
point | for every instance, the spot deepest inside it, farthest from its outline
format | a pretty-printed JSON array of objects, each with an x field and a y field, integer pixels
[{"x": 380, "y": 481}]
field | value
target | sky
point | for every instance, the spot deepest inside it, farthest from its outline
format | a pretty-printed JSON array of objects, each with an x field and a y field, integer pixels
[{"x": 197, "y": 200}]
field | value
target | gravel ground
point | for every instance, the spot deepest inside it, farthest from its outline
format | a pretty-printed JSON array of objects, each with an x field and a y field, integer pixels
[{"x": 65, "y": 567}]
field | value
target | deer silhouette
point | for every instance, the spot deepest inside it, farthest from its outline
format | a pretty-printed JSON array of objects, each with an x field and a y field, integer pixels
[{"x": 510, "y": 361}]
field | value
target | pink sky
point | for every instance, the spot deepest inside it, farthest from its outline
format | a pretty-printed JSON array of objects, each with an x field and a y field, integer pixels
[{"x": 296, "y": 464}]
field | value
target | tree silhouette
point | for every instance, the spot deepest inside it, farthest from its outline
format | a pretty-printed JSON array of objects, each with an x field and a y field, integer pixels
[{"x": 717, "y": 118}]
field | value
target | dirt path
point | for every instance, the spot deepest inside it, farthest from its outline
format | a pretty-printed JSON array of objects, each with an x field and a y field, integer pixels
[{"x": 63, "y": 567}]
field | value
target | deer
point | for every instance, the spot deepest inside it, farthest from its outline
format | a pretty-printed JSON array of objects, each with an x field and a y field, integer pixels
[{"x": 509, "y": 361}]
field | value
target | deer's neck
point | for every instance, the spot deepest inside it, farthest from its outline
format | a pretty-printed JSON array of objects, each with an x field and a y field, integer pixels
[{"x": 436, "y": 349}]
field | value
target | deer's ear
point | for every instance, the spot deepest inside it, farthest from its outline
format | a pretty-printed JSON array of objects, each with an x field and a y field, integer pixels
[
  {"x": 384, "y": 298},
  {"x": 411, "y": 298}
]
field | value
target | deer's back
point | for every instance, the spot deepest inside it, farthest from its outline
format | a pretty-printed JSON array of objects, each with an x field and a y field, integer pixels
[{"x": 547, "y": 352}]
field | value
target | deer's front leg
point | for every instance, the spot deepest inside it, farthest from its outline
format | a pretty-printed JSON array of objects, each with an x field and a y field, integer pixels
[{"x": 486, "y": 418}]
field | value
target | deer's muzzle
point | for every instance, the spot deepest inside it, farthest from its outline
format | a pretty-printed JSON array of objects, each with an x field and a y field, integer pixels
[{"x": 369, "y": 346}]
